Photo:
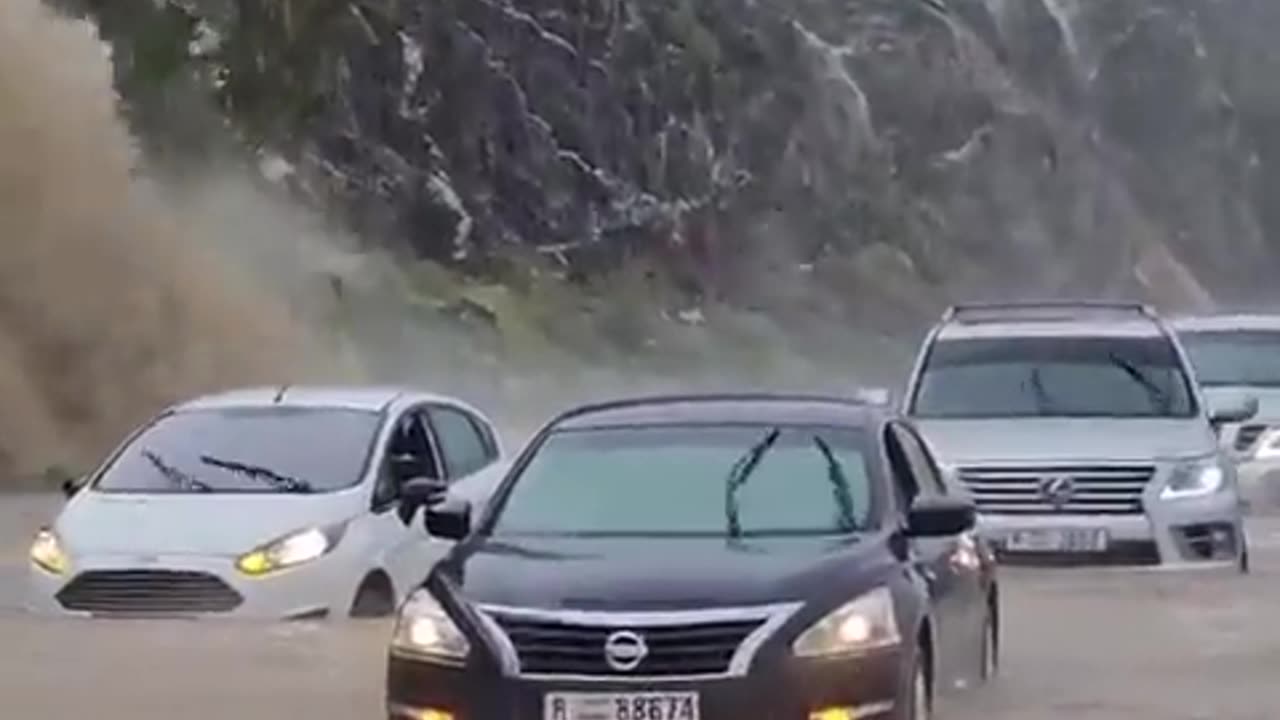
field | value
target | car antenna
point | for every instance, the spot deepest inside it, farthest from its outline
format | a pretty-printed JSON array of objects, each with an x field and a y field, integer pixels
[{"x": 280, "y": 394}]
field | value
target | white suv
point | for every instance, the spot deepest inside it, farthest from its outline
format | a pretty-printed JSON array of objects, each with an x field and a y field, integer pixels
[{"x": 1081, "y": 434}]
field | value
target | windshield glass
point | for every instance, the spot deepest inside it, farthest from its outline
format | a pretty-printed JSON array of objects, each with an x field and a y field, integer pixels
[
  {"x": 1234, "y": 357},
  {"x": 1053, "y": 377},
  {"x": 271, "y": 449},
  {"x": 677, "y": 481}
]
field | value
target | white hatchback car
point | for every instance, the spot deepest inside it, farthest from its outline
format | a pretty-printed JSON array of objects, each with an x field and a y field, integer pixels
[{"x": 280, "y": 503}]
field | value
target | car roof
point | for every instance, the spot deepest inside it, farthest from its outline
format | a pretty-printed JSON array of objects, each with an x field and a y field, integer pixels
[
  {"x": 1226, "y": 321},
  {"x": 724, "y": 409},
  {"x": 350, "y": 397},
  {"x": 1051, "y": 328}
]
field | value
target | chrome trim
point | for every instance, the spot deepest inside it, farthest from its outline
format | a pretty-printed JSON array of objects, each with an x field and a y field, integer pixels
[{"x": 773, "y": 617}]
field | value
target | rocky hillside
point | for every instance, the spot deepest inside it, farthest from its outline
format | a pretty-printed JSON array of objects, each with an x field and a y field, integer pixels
[{"x": 817, "y": 163}]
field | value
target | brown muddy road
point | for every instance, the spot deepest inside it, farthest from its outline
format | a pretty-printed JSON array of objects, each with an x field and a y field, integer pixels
[{"x": 1079, "y": 644}]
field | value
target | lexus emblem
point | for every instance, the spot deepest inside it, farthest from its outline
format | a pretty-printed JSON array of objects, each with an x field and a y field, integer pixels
[
  {"x": 624, "y": 650},
  {"x": 1057, "y": 490}
]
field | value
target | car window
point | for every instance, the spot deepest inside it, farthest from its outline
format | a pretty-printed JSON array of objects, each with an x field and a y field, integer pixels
[
  {"x": 920, "y": 460},
  {"x": 256, "y": 449},
  {"x": 409, "y": 452},
  {"x": 461, "y": 442},
  {"x": 1234, "y": 357},
  {"x": 674, "y": 481},
  {"x": 1054, "y": 377}
]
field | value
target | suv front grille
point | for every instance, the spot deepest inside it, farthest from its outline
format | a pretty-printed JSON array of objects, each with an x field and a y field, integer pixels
[
  {"x": 1092, "y": 490},
  {"x": 560, "y": 647},
  {"x": 148, "y": 592},
  {"x": 1247, "y": 435}
]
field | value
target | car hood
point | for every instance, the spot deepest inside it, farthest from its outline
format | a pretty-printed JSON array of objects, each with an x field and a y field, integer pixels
[
  {"x": 654, "y": 573},
  {"x": 186, "y": 524},
  {"x": 1067, "y": 439}
]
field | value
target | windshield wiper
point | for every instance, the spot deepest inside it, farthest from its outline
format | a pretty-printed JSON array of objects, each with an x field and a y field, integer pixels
[
  {"x": 738, "y": 474},
  {"x": 1157, "y": 394},
  {"x": 839, "y": 486},
  {"x": 174, "y": 475},
  {"x": 258, "y": 472}
]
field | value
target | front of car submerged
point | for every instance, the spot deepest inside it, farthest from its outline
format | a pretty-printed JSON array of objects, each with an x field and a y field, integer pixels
[
  {"x": 179, "y": 522},
  {"x": 618, "y": 577}
]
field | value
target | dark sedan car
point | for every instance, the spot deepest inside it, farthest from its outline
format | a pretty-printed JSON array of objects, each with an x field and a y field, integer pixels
[{"x": 702, "y": 558}]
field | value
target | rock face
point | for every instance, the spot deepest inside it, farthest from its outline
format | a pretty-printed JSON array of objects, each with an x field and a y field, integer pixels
[{"x": 985, "y": 146}]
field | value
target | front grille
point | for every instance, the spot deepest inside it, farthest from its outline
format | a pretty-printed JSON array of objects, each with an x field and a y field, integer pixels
[
  {"x": 1094, "y": 489},
  {"x": 554, "y": 647},
  {"x": 148, "y": 592},
  {"x": 1247, "y": 435}
]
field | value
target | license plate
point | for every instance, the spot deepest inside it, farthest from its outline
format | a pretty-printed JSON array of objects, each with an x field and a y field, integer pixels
[
  {"x": 1069, "y": 540},
  {"x": 621, "y": 706}
]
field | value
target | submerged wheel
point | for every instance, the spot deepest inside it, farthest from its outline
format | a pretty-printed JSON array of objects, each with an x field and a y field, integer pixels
[{"x": 374, "y": 599}]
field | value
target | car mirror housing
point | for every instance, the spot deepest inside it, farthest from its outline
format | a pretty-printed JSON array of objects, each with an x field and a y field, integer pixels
[
  {"x": 1233, "y": 410},
  {"x": 939, "y": 517},
  {"x": 449, "y": 520}
]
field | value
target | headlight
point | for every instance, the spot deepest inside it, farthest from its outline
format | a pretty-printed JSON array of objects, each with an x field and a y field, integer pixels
[
  {"x": 47, "y": 553},
  {"x": 425, "y": 630},
  {"x": 866, "y": 623},
  {"x": 291, "y": 550},
  {"x": 1194, "y": 479}
]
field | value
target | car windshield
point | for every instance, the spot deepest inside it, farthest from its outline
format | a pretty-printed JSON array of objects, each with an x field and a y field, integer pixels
[
  {"x": 1053, "y": 377},
  {"x": 1234, "y": 357},
  {"x": 695, "y": 481},
  {"x": 272, "y": 449}
]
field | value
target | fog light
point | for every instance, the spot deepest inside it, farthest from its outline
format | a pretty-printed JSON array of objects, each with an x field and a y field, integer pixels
[{"x": 835, "y": 713}]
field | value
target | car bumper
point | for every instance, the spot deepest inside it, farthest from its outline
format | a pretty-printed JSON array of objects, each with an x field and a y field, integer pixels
[
  {"x": 189, "y": 586},
  {"x": 872, "y": 687},
  {"x": 1199, "y": 533}
]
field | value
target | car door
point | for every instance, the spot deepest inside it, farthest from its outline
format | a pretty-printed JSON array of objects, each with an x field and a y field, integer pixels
[
  {"x": 941, "y": 560},
  {"x": 405, "y": 547}
]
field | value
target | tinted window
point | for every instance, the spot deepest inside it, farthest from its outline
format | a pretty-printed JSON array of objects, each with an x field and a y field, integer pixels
[
  {"x": 464, "y": 449},
  {"x": 673, "y": 481},
  {"x": 324, "y": 449},
  {"x": 1053, "y": 377},
  {"x": 920, "y": 462},
  {"x": 1234, "y": 357}
]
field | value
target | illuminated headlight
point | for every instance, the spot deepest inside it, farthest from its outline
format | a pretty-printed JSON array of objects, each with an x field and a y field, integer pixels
[
  {"x": 1194, "y": 479},
  {"x": 47, "y": 553},
  {"x": 425, "y": 631},
  {"x": 866, "y": 623},
  {"x": 294, "y": 549}
]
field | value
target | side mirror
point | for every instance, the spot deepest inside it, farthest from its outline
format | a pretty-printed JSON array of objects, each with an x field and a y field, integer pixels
[
  {"x": 71, "y": 486},
  {"x": 450, "y": 520},
  {"x": 939, "y": 517},
  {"x": 1230, "y": 411}
]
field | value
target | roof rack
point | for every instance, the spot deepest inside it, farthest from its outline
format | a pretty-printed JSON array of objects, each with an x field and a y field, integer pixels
[{"x": 1043, "y": 310}]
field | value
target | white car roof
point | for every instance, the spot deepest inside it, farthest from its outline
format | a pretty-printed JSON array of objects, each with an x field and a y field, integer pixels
[
  {"x": 1236, "y": 321},
  {"x": 354, "y": 397},
  {"x": 1049, "y": 329}
]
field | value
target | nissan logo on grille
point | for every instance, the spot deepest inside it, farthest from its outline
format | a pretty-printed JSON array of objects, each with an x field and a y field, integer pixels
[
  {"x": 624, "y": 650},
  {"x": 1057, "y": 490}
]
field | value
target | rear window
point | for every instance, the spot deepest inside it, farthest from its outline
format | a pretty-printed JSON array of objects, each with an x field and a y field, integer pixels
[
  {"x": 1053, "y": 377},
  {"x": 1234, "y": 357},
  {"x": 673, "y": 481}
]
